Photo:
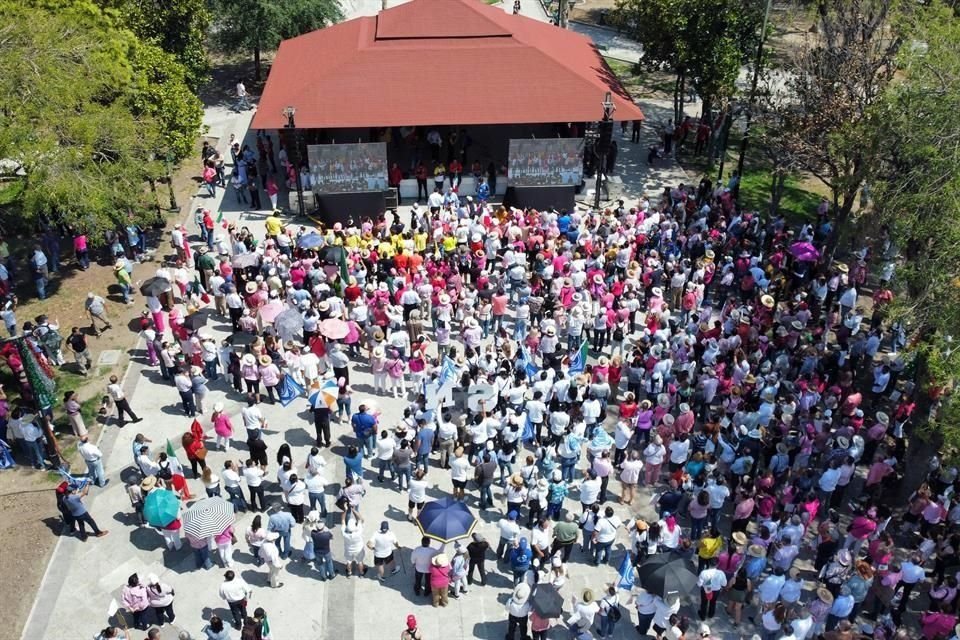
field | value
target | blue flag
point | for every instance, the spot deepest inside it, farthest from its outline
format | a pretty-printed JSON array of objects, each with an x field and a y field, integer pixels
[
  {"x": 448, "y": 371},
  {"x": 578, "y": 362},
  {"x": 289, "y": 390},
  {"x": 528, "y": 434},
  {"x": 626, "y": 574},
  {"x": 526, "y": 362}
]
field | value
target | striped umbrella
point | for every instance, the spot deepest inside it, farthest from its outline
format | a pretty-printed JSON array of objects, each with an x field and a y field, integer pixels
[
  {"x": 326, "y": 395},
  {"x": 207, "y": 517}
]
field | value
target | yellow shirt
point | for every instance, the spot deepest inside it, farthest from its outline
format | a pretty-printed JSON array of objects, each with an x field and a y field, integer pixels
[
  {"x": 420, "y": 242},
  {"x": 274, "y": 225},
  {"x": 385, "y": 249},
  {"x": 449, "y": 243},
  {"x": 397, "y": 240},
  {"x": 353, "y": 242}
]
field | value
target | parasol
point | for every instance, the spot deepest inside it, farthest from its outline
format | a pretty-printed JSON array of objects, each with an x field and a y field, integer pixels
[
  {"x": 195, "y": 320},
  {"x": 270, "y": 311},
  {"x": 161, "y": 507},
  {"x": 326, "y": 395},
  {"x": 288, "y": 324},
  {"x": 665, "y": 573},
  {"x": 804, "y": 252},
  {"x": 154, "y": 286},
  {"x": 333, "y": 328},
  {"x": 310, "y": 240},
  {"x": 207, "y": 517},
  {"x": 546, "y": 601},
  {"x": 446, "y": 520}
]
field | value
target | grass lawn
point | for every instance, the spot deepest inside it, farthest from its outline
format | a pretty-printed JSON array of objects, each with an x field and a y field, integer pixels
[
  {"x": 645, "y": 84},
  {"x": 799, "y": 203}
]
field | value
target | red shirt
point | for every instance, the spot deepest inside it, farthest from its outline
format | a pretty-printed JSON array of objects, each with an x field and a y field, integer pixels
[
  {"x": 456, "y": 167},
  {"x": 396, "y": 175}
]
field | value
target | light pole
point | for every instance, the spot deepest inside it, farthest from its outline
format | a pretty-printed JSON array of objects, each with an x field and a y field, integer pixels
[
  {"x": 605, "y": 131},
  {"x": 293, "y": 153}
]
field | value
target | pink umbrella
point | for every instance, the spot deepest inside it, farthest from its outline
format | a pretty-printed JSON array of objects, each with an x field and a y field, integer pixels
[
  {"x": 804, "y": 252},
  {"x": 269, "y": 312},
  {"x": 334, "y": 328}
]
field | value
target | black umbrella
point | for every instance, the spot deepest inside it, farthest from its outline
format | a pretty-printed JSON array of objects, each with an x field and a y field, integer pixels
[
  {"x": 546, "y": 601},
  {"x": 330, "y": 255},
  {"x": 195, "y": 320},
  {"x": 662, "y": 574},
  {"x": 154, "y": 286}
]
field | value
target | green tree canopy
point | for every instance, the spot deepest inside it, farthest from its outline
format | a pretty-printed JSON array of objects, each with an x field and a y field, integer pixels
[
  {"x": 85, "y": 107},
  {"x": 259, "y": 25},
  {"x": 915, "y": 180}
]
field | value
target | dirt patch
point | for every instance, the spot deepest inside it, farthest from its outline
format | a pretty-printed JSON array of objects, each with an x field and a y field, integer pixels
[
  {"x": 591, "y": 11},
  {"x": 28, "y": 519}
]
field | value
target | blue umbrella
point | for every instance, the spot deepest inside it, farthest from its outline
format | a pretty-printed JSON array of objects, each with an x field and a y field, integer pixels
[
  {"x": 446, "y": 520},
  {"x": 310, "y": 241},
  {"x": 161, "y": 507}
]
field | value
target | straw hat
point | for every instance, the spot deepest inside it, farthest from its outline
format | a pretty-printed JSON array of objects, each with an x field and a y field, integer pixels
[
  {"x": 657, "y": 292},
  {"x": 842, "y": 268},
  {"x": 118, "y": 266},
  {"x": 550, "y": 331},
  {"x": 756, "y": 551},
  {"x": 249, "y": 359},
  {"x": 883, "y": 418},
  {"x": 740, "y": 538},
  {"x": 663, "y": 400},
  {"x": 767, "y": 301},
  {"x": 218, "y": 407},
  {"x": 641, "y": 525},
  {"x": 516, "y": 479},
  {"x": 378, "y": 352},
  {"x": 597, "y": 279},
  {"x": 709, "y": 254},
  {"x": 265, "y": 360},
  {"x": 669, "y": 420},
  {"x": 796, "y": 325},
  {"x": 521, "y": 593},
  {"x": 440, "y": 560},
  {"x": 603, "y": 361},
  {"x": 824, "y": 594},
  {"x": 843, "y": 442},
  {"x": 250, "y": 287},
  {"x": 587, "y": 596},
  {"x": 148, "y": 483},
  {"x": 443, "y": 298}
]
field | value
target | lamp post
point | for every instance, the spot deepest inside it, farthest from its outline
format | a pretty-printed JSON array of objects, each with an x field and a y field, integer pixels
[
  {"x": 605, "y": 131},
  {"x": 289, "y": 113}
]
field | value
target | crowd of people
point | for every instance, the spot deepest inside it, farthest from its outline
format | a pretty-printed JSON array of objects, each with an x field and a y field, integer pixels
[{"x": 677, "y": 346}]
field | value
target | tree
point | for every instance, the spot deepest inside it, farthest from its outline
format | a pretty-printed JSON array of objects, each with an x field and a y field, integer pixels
[
  {"x": 915, "y": 187},
  {"x": 86, "y": 107},
  {"x": 703, "y": 42},
  {"x": 260, "y": 25},
  {"x": 831, "y": 88},
  {"x": 179, "y": 27}
]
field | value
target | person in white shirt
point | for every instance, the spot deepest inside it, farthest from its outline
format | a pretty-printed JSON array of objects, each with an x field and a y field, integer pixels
[
  {"x": 316, "y": 485},
  {"x": 460, "y": 469},
  {"x": 679, "y": 451},
  {"x": 253, "y": 475},
  {"x": 353, "y": 549},
  {"x": 270, "y": 556},
  {"x": 253, "y": 420},
  {"x": 802, "y": 625},
  {"x": 416, "y": 494},
  {"x": 711, "y": 582},
  {"x": 604, "y": 535},
  {"x": 297, "y": 497},
  {"x": 120, "y": 402},
  {"x": 235, "y": 593},
  {"x": 664, "y": 610},
  {"x": 590, "y": 489},
  {"x": 384, "y": 543},
  {"x": 94, "y": 458},
  {"x": 584, "y": 611},
  {"x": 386, "y": 446},
  {"x": 509, "y": 532}
]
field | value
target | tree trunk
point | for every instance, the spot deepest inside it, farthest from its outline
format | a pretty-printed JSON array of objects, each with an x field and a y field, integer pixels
[
  {"x": 842, "y": 217},
  {"x": 256, "y": 60},
  {"x": 683, "y": 89},
  {"x": 706, "y": 108},
  {"x": 777, "y": 187}
]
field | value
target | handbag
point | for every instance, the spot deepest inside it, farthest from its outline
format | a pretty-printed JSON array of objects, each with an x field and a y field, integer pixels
[
  {"x": 342, "y": 503},
  {"x": 201, "y": 453}
]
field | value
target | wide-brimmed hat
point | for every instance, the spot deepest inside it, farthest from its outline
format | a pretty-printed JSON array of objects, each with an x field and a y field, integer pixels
[
  {"x": 265, "y": 360},
  {"x": 883, "y": 418},
  {"x": 250, "y": 287},
  {"x": 249, "y": 359},
  {"x": 443, "y": 298},
  {"x": 656, "y": 292},
  {"x": 148, "y": 483},
  {"x": 756, "y": 551},
  {"x": 796, "y": 325},
  {"x": 587, "y": 596},
  {"x": 767, "y": 301},
  {"x": 516, "y": 479},
  {"x": 440, "y": 560},
  {"x": 119, "y": 265},
  {"x": 844, "y": 557},
  {"x": 550, "y": 331},
  {"x": 740, "y": 538},
  {"x": 842, "y": 268},
  {"x": 641, "y": 525},
  {"x": 598, "y": 279},
  {"x": 824, "y": 594},
  {"x": 663, "y": 400},
  {"x": 668, "y": 419},
  {"x": 843, "y": 442},
  {"x": 521, "y": 592},
  {"x": 378, "y": 352},
  {"x": 603, "y": 361}
]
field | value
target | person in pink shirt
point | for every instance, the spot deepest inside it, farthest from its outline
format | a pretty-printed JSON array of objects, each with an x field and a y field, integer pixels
[
  {"x": 861, "y": 527},
  {"x": 936, "y": 624},
  {"x": 269, "y": 376},
  {"x": 499, "y": 308},
  {"x": 80, "y": 249},
  {"x": 224, "y": 541},
  {"x": 222, "y": 426}
]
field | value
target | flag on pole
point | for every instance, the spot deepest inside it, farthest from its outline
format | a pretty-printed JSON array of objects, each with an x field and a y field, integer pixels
[
  {"x": 528, "y": 434},
  {"x": 626, "y": 574},
  {"x": 113, "y": 608},
  {"x": 578, "y": 361},
  {"x": 526, "y": 362},
  {"x": 448, "y": 371},
  {"x": 344, "y": 270},
  {"x": 170, "y": 452},
  {"x": 220, "y": 216}
]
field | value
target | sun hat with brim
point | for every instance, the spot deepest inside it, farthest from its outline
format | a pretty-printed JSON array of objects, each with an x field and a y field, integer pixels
[
  {"x": 844, "y": 557},
  {"x": 265, "y": 360},
  {"x": 883, "y": 418},
  {"x": 250, "y": 287},
  {"x": 249, "y": 359},
  {"x": 641, "y": 525},
  {"x": 148, "y": 483},
  {"x": 587, "y": 596},
  {"x": 521, "y": 593},
  {"x": 740, "y": 538},
  {"x": 824, "y": 594},
  {"x": 440, "y": 560},
  {"x": 756, "y": 551}
]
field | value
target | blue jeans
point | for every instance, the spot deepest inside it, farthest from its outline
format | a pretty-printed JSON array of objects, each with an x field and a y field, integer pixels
[
  {"x": 308, "y": 553},
  {"x": 324, "y": 563},
  {"x": 567, "y": 466},
  {"x": 95, "y": 471},
  {"x": 255, "y": 552},
  {"x": 125, "y": 290},
  {"x": 236, "y": 497},
  {"x": 35, "y": 451},
  {"x": 601, "y": 549},
  {"x": 318, "y": 498},
  {"x": 403, "y": 476},
  {"x": 41, "y": 283},
  {"x": 519, "y": 330},
  {"x": 384, "y": 466},
  {"x": 210, "y": 369},
  {"x": 696, "y": 527},
  {"x": 202, "y": 558},
  {"x": 606, "y": 626},
  {"x": 553, "y": 510},
  {"x": 486, "y": 496},
  {"x": 423, "y": 461},
  {"x": 369, "y": 444},
  {"x": 506, "y": 470},
  {"x": 284, "y": 548},
  {"x": 343, "y": 408}
]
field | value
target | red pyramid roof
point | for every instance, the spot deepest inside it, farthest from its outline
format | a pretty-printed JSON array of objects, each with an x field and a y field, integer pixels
[{"x": 439, "y": 62}]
